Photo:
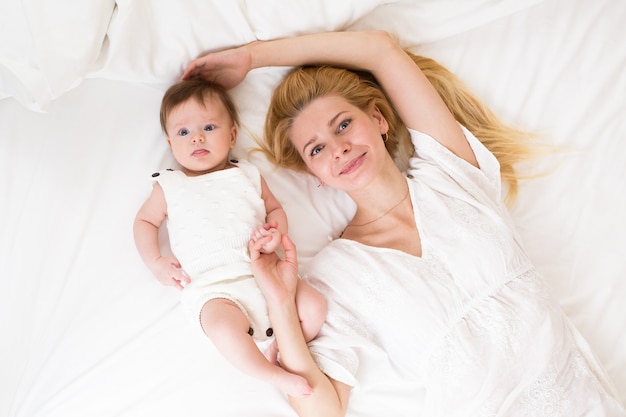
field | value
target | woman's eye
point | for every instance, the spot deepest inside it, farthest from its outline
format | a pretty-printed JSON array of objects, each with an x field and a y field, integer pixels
[
  {"x": 343, "y": 125},
  {"x": 316, "y": 150},
  {"x": 183, "y": 132},
  {"x": 208, "y": 128}
]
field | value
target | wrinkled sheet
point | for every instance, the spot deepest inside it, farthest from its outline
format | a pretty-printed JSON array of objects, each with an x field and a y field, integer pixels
[{"x": 87, "y": 331}]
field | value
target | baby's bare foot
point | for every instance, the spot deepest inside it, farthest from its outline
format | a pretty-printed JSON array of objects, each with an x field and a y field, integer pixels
[{"x": 293, "y": 385}]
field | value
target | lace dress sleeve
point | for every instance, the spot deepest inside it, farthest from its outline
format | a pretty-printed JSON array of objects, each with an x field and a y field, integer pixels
[{"x": 435, "y": 160}]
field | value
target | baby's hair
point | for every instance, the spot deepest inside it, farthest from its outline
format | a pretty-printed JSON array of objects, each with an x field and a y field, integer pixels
[{"x": 199, "y": 90}]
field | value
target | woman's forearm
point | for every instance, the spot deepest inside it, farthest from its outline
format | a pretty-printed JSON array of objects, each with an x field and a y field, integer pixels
[
  {"x": 296, "y": 358},
  {"x": 358, "y": 50},
  {"x": 278, "y": 280}
]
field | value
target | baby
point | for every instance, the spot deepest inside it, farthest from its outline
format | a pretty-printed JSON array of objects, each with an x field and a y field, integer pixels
[{"x": 215, "y": 206}]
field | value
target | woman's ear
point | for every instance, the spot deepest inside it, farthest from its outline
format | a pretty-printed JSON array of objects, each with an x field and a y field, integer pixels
[{"x": 380, "y": 119}]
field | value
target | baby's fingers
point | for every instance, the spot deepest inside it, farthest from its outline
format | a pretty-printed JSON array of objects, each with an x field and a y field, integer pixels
[
  {"x": 179, "y": 278},
  {"x": 259, "y": 233},
  {"x": 272, "y": 225},
  {"x": 183, "y": 277},
  {"x": 255, "y": 246}
]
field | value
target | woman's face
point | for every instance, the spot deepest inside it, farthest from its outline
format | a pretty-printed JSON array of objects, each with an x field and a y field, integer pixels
[{"x": 340, "y": 143}]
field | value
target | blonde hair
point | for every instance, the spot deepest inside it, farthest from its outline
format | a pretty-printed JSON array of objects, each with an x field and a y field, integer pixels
[{"x": 304, "y": 84}]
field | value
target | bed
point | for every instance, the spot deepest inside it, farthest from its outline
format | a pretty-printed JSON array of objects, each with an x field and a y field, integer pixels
[{"x": 87, "y": 331}]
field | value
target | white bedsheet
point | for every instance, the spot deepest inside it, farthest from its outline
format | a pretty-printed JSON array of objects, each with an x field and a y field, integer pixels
[{"x": 87, "y": 331}]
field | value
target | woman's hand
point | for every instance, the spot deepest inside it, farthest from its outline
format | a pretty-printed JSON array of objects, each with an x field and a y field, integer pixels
[
  {"x": 226, "y": 68},
  {"x": 277, "y": 278}
]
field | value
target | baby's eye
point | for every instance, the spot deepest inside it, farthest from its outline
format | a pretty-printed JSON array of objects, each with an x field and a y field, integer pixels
[
  {"x": 183, "y": 132},
  {"x": 208, "y": 128},
  {"x": 317, "y": 149}
]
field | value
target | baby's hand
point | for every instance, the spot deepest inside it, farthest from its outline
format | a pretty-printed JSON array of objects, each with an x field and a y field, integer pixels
[
  {"x": 168, "y": 271},
  {"x": 268, "y": 236}
]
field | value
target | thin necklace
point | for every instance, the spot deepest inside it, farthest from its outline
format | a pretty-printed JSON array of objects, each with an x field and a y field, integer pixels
[{"x": 384, "y": 214}]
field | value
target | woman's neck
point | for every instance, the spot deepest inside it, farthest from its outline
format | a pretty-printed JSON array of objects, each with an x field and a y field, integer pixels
[{"x": 379, "y": 198}]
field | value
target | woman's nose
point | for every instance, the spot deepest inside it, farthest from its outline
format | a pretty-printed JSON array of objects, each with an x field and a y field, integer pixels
[{"x": 341, "y": 148}]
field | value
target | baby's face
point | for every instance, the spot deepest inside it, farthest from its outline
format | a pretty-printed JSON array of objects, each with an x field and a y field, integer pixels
[{"x": 201, "y": 136}]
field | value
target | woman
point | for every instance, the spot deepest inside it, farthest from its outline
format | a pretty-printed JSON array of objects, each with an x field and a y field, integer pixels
[{"x": 429, "y": 270}]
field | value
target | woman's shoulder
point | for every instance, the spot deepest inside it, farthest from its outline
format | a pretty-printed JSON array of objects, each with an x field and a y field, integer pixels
[{"x": 433, "y": 160}]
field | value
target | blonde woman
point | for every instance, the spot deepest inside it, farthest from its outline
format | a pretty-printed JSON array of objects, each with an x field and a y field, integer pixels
[{"x": 429, "y": 270}]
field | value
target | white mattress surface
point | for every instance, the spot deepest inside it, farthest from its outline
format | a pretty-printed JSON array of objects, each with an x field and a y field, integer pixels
[{"x": 87, "y": 331}]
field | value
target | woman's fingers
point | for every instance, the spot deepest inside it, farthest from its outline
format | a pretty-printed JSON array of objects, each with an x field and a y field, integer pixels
[
  {"x": 290, "y": 251},
  {"x": 191, "y": 70},
  {"x": 254, "y": 247}
]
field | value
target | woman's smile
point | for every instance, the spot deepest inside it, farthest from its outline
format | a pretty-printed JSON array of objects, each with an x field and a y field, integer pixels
[{"x": 353, "y": 165}]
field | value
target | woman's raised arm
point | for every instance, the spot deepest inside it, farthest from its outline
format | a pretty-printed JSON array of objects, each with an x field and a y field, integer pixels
[
  {"x": 414, "y": 98},
  {"x": 278, "y": 280}
]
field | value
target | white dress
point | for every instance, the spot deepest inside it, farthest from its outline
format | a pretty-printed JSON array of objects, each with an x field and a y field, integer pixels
[{"x": 470, "y": 326}]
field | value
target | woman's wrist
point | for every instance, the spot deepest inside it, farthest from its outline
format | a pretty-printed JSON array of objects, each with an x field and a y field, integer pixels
[
  {"x": 254, "y": 49},
  {"x": 282, "y": 309}
]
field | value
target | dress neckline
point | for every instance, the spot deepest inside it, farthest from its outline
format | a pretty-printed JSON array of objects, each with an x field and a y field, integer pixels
[{"x": 418, "y": 224}]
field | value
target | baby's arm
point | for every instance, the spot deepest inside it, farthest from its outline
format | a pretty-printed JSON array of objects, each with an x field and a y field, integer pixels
[
  {"x": 146, "y": 232},
  {"x": 275, "y": 221}
]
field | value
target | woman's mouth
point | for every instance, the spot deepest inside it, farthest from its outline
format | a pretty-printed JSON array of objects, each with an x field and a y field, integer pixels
[{"x": 353, "y": 165}]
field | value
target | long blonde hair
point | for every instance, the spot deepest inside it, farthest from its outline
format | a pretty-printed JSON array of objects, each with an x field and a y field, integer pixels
[{"x": 304, "y": 84}]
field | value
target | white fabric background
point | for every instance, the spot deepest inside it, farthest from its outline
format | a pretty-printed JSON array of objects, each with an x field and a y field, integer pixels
[{"x": 86, "y": 331}]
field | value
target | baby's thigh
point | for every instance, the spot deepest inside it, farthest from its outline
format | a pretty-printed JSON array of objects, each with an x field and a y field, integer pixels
[{"x": 220, "y": 316}]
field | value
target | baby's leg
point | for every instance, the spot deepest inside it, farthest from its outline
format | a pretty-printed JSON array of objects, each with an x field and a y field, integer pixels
[
  {"x": 227, "y": 327},
  {"x": 312, "y": 309}
]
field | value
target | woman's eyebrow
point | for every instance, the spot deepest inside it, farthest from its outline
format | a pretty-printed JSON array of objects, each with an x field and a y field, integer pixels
[
  {"x": 331, "y": 122},
  {"x": 308, "y": 143}
]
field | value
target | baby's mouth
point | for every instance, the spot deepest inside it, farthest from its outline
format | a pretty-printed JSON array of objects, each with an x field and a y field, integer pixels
[{"x": 200, "y": 152}]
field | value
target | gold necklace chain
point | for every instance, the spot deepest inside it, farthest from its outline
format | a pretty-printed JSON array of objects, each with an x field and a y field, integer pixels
[{"x": 384, "y": 214}]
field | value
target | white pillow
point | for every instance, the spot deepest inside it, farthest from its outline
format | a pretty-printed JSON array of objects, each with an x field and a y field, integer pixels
[
  {"x": 48, "y": 46},
  {"x": 420, "y": 21},
  {"x": 271, "y": 19},
  {"x": 153, "y": 41}
]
